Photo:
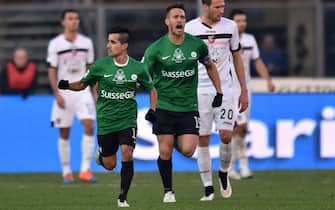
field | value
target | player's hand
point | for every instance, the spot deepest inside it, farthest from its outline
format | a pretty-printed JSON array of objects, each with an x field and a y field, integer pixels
[
  {"x": 243, "y": 101},
  {"x": 271, "y": 86},
  {"x": 150, "y": 116},
  {"x": 217, "y": 100},
  {"x": 60, "y": 101},
  {"x": 63, "y": 84}
]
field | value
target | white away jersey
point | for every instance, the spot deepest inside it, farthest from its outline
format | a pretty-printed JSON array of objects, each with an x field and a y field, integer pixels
[
  {"x": 70, "y": 58},
  {"x": 221, "y": 38},
  {"x": 249, "y": 51}
]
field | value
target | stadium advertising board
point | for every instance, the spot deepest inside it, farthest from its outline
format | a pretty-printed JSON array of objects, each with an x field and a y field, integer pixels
[{"x": 287, "y": 131}]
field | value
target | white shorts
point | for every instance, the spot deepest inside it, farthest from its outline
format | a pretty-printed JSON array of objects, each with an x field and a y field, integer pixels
[
  {"x": 243, "y": 117},
  {"x": 224, "y": 117},
  {"x": 80, "y": 104}
]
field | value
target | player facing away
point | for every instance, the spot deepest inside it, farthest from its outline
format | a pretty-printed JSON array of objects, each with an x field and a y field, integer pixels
[
  {"x": 221, "y": 36},
  {"x": 69, "y": 54},
  {"x": 116, "y": 75},
  {"x": 173, "y": 60},
  {"x": 249, "y": 51}
]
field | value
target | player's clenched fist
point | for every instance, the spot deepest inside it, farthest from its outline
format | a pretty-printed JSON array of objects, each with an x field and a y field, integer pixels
[
  {"x": 63, "y": 84},
  {"x": 217, "y": 100}
]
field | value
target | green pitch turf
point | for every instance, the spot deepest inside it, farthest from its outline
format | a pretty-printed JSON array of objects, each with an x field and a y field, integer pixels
[{"x": 272, "y": 190}]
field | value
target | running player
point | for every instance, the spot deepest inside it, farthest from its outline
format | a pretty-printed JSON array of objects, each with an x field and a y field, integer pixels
[
  {"x": 173, "y": 60},
  {"x": 116, "y": 75}
]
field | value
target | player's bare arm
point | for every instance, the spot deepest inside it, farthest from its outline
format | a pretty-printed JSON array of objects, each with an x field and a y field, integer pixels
[
  {"x": 75, "y": 86},
  {"x": 153, "y": 98},
  {"x": 238, "y": 64},
  {"x": 52, "y": 73},
  {"x": 263, "y": 71}
]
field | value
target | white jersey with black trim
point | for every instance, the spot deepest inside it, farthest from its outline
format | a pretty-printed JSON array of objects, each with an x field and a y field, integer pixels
[
  {"x": 249, "y": 51},
  {"x": 221, "y": 38},
  {"x": 70, "y": 58}
]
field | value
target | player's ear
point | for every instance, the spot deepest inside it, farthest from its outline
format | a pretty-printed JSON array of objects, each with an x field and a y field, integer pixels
[
  {"x": 125, "y": 45},
  {"x": 62, "y": 23},
  {"x": 166, "y": 22}
]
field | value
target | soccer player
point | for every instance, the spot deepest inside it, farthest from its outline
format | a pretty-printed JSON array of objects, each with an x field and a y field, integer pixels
[
  {"x": 249, "y": 52},
  {"x": 173, "y": 60},
  {"x": 116, "y": 75},
  {"x": 221, "y": 37},
  {"x": 69, "y": 54}
]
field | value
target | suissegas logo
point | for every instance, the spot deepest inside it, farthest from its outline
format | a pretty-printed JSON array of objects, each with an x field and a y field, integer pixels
[
  {"x": 110, "y": 95},
  {"x": 286, "y": 134}
]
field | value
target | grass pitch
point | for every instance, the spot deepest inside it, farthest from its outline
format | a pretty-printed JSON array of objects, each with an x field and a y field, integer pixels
[{"x": 271, "y": 190}]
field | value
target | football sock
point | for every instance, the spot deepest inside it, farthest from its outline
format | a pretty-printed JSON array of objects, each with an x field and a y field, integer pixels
[
  {"x": 127, "y": 172},
  {"x": 64, "y": 155},
  {"x": 223, "y": 178},
  {"x": 209, "y": 190},
  {"x": 205, "y": 166},
  {"x": 235, "y": 152},
  {"x": 242, "y": 150},
  {"x": 87, "y": 148},
  {"x": 225, "y": 156},
  {"x": 165, "y": 170}
]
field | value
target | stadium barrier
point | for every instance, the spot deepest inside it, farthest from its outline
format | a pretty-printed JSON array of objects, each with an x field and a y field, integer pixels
[{"x": 287, "y": 131}]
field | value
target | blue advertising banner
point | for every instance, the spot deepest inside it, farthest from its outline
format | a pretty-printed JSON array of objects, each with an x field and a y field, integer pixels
[{"x": 287, "y": 131}]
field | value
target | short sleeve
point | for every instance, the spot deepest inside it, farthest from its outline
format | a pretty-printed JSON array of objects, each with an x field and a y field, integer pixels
[
  {"x": 90, "y": 55},
  {"x": 144, "y": 78},
  {"x": 52, "y": 58},
  {"x": 91, "y": 77},
  {"x": 148, "y": 59},
  {"x": 235, "y": 40},
  {"x": 255, "y": 50},
  {"x": 204, "y": 57}
]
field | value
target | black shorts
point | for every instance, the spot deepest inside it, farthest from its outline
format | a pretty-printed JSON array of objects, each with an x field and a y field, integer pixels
[
  {"x": 109, "y": 143},
  {"x": 176, "y": 123}
]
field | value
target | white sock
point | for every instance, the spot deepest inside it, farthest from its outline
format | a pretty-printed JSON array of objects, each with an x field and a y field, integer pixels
[
  {"x": 87, "y": 147},
  {"x": 225, "y": 156},
  {"x": 205, "y": 166},
  {"x": 64, "y": 155},
  {"x": 235, "y": 152},
  {"x": 242, "y": 151}
]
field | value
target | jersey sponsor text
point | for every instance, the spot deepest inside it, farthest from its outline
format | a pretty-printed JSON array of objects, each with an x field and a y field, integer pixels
[{"x": 110, "y": 95}]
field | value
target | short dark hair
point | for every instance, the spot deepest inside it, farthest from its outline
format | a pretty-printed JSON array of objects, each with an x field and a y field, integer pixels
[
  {"x": 64, "y": 12},
  {"x": 208, "y": 2},
  {"x": 124, "y": 33},
  {"x": 237, "y": 12},
  {"x": 178, "y": 5}
]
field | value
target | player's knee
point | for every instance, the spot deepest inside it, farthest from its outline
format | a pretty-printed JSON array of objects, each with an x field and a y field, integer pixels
[
  {"x": 127, "y": 155},
  {"x": 89, "y": 129},
  {"x": 226, "y": 137},
  {"x": 109, "y": 165},
  {"x": 241, "y": 130},
  {"x": 165, "y": 153},
  {"x": 188, "y": 152},
  {"x": 88, "y": 126}
]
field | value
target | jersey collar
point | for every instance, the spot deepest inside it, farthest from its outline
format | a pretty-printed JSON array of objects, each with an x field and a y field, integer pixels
[{"x": 121, "y": 65}]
